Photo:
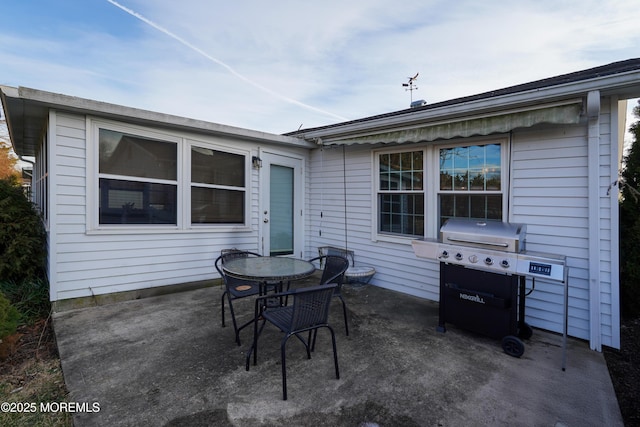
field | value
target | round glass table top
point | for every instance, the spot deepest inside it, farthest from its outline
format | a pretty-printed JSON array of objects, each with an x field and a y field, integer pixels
[{"x": 268, "y": 268}]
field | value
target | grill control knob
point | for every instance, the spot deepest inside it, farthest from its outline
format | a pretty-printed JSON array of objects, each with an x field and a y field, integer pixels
[
  {"x": 444, "y": 254},
  {"x": 473, "y": 259},
  {"x": 459, "y": 256},
  {"x": 505, "y": 263},
  {"x": 488, "y": 261}
]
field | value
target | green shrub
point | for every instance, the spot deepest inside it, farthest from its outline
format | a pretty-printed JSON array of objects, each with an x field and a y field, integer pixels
[
  {"x": 30, "y": 297},
  {"x": 9, "y": 317},
  {"x": 630, "y": 227},
  {"x": 22, "y": 235}
]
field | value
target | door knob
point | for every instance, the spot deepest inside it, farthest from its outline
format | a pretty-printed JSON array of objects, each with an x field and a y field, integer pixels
[{"x": 266, "y": 220}]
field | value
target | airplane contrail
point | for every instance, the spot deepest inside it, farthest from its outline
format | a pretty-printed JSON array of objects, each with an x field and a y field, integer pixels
[{"x": 222, "y": 64}]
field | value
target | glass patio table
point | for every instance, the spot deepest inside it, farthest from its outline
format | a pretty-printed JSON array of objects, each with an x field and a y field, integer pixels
[
  {"x": 269, "y": 272},
  {"x": 268, "y": 269}
]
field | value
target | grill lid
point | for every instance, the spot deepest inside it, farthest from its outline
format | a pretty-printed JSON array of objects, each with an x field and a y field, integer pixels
[{"x": 496, "y": 235}]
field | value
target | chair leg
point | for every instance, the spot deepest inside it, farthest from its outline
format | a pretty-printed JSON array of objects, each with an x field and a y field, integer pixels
[
  {"x": 306, "y": 344},
  {"x": 335, "y": 352},
  {"x": 254, "y": 347},
  {"x": 283, "y": 356},
  {"x": 224, "y": 294},
  {"x": 233, "y": 316},
  {"x": 233, "y": 320},
  {"x": 310, "y": 344},
  {"x": 344, "y": 312}
]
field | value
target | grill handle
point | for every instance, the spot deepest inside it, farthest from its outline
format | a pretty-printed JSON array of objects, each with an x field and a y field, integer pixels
[{"x": 477, "y": 242}]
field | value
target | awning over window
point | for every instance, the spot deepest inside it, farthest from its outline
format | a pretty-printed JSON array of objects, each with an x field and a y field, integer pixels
[{"x": 460, "y": 128}]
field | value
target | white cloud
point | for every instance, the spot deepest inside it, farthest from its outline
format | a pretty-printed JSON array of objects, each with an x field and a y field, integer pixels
[{"x": 346, "y": 58}]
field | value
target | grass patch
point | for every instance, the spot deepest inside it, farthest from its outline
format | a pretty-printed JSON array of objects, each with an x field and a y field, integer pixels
[
  {"x": 30, "y": 374},
  {"x": 29, "y": 296},
  {"x": 34, "y": 382}
]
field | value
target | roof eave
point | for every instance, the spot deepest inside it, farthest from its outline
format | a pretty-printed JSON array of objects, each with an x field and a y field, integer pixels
[
  {"x": 27, "y": 109},
  {"x": 624, "y": 85}
]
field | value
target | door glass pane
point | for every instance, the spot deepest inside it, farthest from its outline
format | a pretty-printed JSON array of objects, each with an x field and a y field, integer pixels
[{"x": 281, "y": 208}]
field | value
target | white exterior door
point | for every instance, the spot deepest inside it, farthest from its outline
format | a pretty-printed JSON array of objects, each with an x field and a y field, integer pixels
[{"x": 281, "y": 205}]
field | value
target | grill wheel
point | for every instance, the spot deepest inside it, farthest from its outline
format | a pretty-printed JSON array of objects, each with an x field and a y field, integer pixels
[
  {"x": 524, "y": 331},
  {"x": 513, "y": 346}
]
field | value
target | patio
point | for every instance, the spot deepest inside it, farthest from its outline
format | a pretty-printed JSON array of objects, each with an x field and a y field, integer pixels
[{"x": 166, "y": 360}]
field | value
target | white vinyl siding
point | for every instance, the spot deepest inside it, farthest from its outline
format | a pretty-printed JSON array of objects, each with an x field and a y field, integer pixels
[
  {"x": 397, "y": 267},
  {"x": 84, "y": 264},
  {"x": 550, "y": 195},
  {"x": 609, "y": 304},
  {"x": 548, "y": 191}
]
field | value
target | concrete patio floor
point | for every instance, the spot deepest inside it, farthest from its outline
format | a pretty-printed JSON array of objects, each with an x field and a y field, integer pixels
[{"x": 166, "y": 361}]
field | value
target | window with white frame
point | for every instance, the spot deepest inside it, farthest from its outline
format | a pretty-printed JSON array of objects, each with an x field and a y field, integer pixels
[
  {"x": 470, "y": 182},
  {"x": 401, "y": 193},
  {"x": 138, "y": 179},
  {"x": 217, "y": 187},
  {"x": 40, "y": 181},
  {"x": 144, "y": 178}
]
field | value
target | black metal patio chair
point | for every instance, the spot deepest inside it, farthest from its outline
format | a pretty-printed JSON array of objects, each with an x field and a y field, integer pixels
[
  {"x": 235, "y": 288},
  {"x": 333, "y": 269},
  {"x": 309, "y": 312}
]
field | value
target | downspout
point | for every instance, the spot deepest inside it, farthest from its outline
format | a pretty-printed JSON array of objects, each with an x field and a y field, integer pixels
[
  {"x": 33, "y": 165},
  {"x": 344, "y": 189},
  {"x": 22, "y": 159},
  {"x": 593, "y": 137}
]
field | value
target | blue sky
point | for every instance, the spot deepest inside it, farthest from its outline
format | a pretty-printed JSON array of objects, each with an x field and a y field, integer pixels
[{"x": 278, "y": 65}]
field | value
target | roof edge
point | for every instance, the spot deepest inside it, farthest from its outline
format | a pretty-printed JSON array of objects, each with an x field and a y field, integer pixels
[
  {"x": 604, "y": 77},
  {"x": 119, "y": 112}
]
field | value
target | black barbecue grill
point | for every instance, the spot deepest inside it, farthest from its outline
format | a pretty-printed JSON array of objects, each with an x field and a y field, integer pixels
[{"x": 483, "y": 270}]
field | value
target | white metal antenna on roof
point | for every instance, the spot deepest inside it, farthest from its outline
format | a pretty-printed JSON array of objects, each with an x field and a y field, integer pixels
[{"x": 411, "y": 85}]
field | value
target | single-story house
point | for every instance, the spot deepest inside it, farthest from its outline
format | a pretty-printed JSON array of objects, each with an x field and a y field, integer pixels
[{"x": 135, "y": 199}]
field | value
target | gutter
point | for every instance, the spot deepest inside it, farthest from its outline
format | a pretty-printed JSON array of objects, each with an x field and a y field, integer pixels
[{"x": 22, "y": 159}]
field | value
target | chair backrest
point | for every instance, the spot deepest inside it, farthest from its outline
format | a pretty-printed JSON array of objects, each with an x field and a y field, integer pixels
[
  {"x": 334, "y": 268},
  {"x": 332, "y": 250},
  {"x": 311, "y": 306},
  {"x": 229, "y": 254}
]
